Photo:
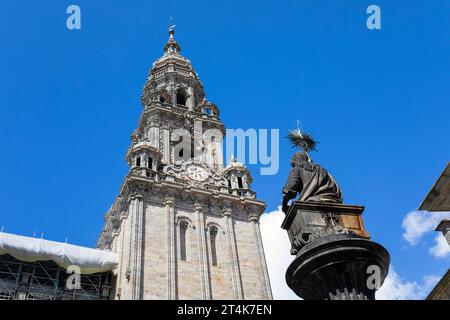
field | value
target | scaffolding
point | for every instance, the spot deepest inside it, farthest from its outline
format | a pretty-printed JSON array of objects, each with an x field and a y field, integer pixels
[{"x": 45, "y": 280}]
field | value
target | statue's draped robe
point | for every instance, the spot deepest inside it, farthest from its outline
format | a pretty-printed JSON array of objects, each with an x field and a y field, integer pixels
[{"x": 313, "y": 182}]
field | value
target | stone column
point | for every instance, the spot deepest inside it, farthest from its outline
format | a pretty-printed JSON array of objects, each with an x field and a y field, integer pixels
[
  {"x": 170, "y": 88},
  {"x": 245, "y": 182},
  {"x": 171, "y": 260},
  {"x": 198, "y": 142},
  {"x": 153, "y": 136},
  {"x": 126, "y": 286},
  {"x": 235, "y": 270},
  {"x": 265, "y": 281},
  {"x": 219, "y": 156},
  {"x": 138, "y": 247},
  {"x": 165, "y": 143},
  {"x": 190, "y": 99},
  {"x": 134, "y": 270},
  {"x": 121, "y": 248},
  {"x": 203, "y": 258},
  {"x": 120, "y": 269}
]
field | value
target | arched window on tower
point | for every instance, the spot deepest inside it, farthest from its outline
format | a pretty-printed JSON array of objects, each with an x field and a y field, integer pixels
[
  {"x": 138, "y": 161},
  {"x": 240, "y": 184},
  {"x": 181, "y": 97},
  {"x": 193, "y": 148},
  {"x": 183, "y": 230},
  {"x": 212, "y": 237}
]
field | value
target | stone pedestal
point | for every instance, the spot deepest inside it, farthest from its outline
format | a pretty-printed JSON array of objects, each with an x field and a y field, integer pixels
[{"x": 335, "y": 260}]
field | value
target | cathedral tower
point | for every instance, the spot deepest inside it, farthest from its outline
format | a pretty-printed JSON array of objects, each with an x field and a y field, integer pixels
[{"x": 184, "y": 225}]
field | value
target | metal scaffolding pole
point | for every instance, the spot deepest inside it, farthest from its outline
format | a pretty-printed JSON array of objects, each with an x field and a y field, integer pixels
[{"x": 45, "y": 280}]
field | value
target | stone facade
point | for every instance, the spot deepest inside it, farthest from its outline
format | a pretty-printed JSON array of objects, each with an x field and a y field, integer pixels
[
  {"x": 438, "y": 199},
  {"x": 185, "y": 226}
]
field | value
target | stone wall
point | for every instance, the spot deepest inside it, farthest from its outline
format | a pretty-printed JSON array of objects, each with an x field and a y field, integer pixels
[{"x": 239, "y": 273}]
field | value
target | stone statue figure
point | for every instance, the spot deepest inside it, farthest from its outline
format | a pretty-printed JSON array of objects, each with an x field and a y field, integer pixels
[
  {"x": 331, "y": 246},
  {"x": 311, "y": 181},
  {"x": 307, "y": 178}
]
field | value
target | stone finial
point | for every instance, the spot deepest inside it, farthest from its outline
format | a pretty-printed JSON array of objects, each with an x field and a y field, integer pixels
[
  {"x": 171, "y": 46},
  {"x": 171, "y": 28},
  {"x": 444, "y": 227}
]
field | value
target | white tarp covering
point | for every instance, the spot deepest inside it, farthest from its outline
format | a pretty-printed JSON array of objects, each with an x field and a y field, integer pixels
[{"x": 31, "y": 249}]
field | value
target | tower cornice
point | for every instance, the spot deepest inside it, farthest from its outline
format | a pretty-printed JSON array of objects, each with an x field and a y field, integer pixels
[{"x": 149, "y": 187}]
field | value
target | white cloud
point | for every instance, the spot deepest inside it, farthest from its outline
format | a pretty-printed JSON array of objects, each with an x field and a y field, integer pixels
[
  {"x": 418, "y": 223},
  {"x": 277, "y": 251},
  {"x": 441, "y": 248},
  {"x": 395, "y": 288}
]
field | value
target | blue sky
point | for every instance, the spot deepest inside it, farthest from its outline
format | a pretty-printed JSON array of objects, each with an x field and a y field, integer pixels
[{"x": 378, "y": 102}]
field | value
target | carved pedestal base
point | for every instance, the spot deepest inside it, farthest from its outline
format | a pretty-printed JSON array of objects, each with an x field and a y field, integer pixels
[{"x": 334, "y": 260}]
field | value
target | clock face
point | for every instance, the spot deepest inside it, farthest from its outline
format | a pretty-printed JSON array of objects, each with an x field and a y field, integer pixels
[{"x": 196, "y": 173}]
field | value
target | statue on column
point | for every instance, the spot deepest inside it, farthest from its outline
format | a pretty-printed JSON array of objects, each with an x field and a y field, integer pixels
[{"x": 333, "y": 252}]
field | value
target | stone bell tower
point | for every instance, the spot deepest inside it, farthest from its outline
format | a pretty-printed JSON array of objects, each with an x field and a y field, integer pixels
[{"x": 184, "y": 225}]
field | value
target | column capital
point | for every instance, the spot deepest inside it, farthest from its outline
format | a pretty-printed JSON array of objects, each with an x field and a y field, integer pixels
[
  {"x": 134, "y": 196},
  {"x": 253, "y": 214},
  {"x": 227, "y": 207},
  {"x": 227, "y": 212},
  {"x": 198, "y": 206},
  {"x": 169, "y": 201}
]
